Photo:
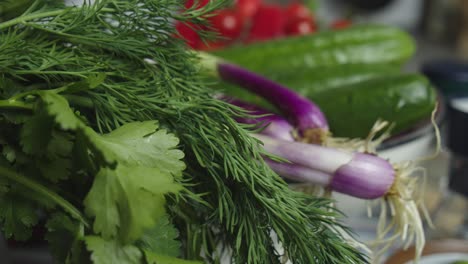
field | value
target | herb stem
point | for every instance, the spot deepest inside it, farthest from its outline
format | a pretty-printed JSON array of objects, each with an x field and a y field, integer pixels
[
  {"x": 39, "y": 72},
  {"x": 38, "y": 15},
  {"x": 25, "y": 18},
  {"x": 13, "y": 104},
  {"x": 18, "y": 178},
  {"x": 79, "y": 101}
]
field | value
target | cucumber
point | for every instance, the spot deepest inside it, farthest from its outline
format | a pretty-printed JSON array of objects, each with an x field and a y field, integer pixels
[
  {"x": 312, "y": 82},
  {"x": 351, "y": 110},
  {"x": 358, "y": 44},
  {"x": 326, "y": 78}
]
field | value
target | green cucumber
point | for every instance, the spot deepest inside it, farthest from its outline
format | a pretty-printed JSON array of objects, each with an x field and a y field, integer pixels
[
  {"x": 326, "y": 78},
  {"x": 352, "y": 110},
  {"x": 358, "y": 44},
  {"x": 313, "y": 82}
]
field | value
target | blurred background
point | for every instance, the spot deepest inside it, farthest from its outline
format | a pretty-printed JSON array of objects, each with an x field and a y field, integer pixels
[
  {"x": 438, "y": 26},
  {"x": 440, "y": 29}
]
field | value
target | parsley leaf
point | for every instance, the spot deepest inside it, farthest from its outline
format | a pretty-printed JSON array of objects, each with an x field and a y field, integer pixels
[
  {"x": 9, "y": 153},
  {"x": 147, "y": 162},
  {"x": 56, "y": 169},
  {"x": 63, "y": 236},
  {"x": 162, "y": 238},
  {"x": 36, "y": 133},
  {"x": 160, "y": 244},
  {"x": 135, "y": 144},
  {"x": 17, "y": 217},
  {"x": 127, "y": 200},
  {"x": 111, "y": 252},
  {"x": 57, "y": 163},
  {"x": 50, "y": 148},
  {"x": 153, "y": 258},
  {"x": 58, "y": 107},
  {"x": 140, "y": 144}
]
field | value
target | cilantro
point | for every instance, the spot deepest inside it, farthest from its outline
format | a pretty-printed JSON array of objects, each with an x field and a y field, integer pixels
[
  {"x": 58, "y": 107},
  {"x": 51, "y": 149},
  {"x": 136, "y": 143},
  {"x": 9, "y": 153},
  {"x": 162, "y": 239},
  {"x": 160, "y": 244},
  {"x": 147, "y": 164},
  {"x": 31, "y": 195},
  {"x": 111, "y": 252},
  {"x": 42, "y": 192},
  {"x": 3, "y": 187},
  {"x": 56, "y": 169},
  {"x": 36, "y": 133},
  {"x": 56, "y": 163},
  {"x": 17, "y": 216},
  {"x": 127, "y": 200},
  {"x": 60, "y": 145},
  {"x": 17, "y": 117},
  {"x": 140, "y": 144},
  {"x": 64, "y": 236},
  {"x": 153, "y": 258}
]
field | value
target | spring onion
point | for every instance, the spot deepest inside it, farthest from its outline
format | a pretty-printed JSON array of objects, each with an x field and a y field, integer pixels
[
  {"x": 268, "y": 123},
  {"x": 361, "y": 175},
  {"x": 357, "y": 174},
  {"x": 300, "y": 111}
]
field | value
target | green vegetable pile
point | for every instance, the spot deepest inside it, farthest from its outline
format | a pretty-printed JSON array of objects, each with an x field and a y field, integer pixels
[{"x": 110, "y": 136}]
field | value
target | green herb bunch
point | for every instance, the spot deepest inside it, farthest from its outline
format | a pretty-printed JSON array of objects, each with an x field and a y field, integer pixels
[{"x": 110, "y": 136}]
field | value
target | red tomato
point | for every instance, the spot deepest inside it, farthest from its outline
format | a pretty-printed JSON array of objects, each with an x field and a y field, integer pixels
[
  {"x": 302, "y": 26},
  {"x": 227, "y": 23},
  {"x": 247, "y": 8},
  {"x": 199, "y": 3},
  {"x": 211, "y": 45},
  {"x": 186, "y": 30},
  {"x": 269, "y": 22},
  {"x": 298, "y": 11},
  {"x": 340, "y": 24}
]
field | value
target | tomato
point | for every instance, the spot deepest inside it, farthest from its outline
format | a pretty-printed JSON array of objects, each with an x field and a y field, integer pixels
[
  {"x": 199, "y": 3},
  {"x": 340, "y": 24},
  {"x": 301, "y": 26},
  {"x": 188, "y": 33},
  {"x": 228, "y": 23},
  {"x": 300, "y": 20},
  {"x": 269, "y": 22},
  {"x": 247, "y": 8},
  {"x": 213, "y": 45},
  {"x": 296, "y": 11}
]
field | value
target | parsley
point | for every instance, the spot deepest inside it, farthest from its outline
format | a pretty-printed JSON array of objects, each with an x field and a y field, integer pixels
[
  {"x": 110, "y": 251},
  {"x": 18, "y": 216}
]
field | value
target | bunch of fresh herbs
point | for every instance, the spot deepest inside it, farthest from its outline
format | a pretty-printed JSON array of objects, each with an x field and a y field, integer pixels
[{"x": 109, "y": 135}]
